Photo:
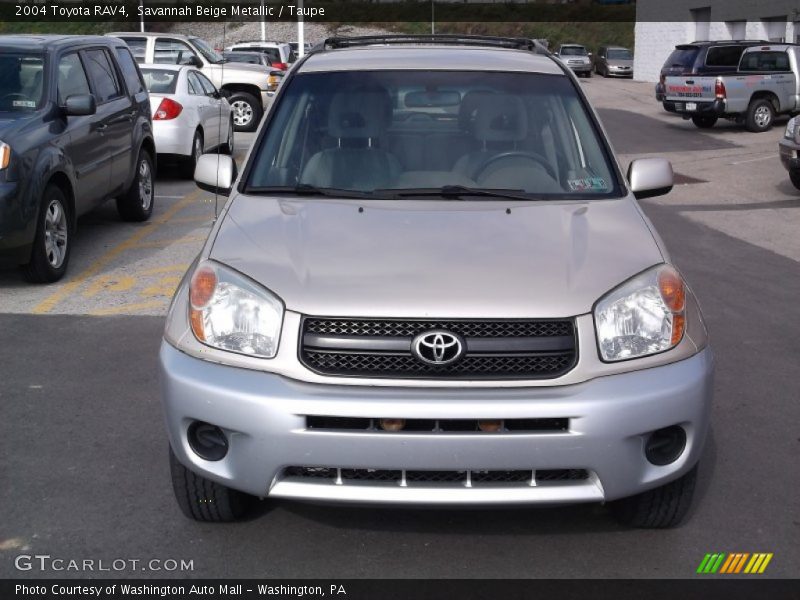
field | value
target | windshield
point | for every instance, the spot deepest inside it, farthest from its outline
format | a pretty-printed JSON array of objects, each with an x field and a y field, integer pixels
[
  {"x": 619, "y": 54},
  {"x": 382, "y": 132},
  {"x": 160, "y": 81},
  {"x": 573, "y": 51},
  {"x": 21, "y": 77},
  {"x": 207, "y": 51}
]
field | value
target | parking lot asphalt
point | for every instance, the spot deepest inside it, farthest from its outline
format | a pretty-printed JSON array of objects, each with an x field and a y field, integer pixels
[{"x": 83, "y": 452}]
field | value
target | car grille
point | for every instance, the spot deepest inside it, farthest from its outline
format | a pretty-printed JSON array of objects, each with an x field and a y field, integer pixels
[
  {"x": 492, "y": 349},
  {"x": 416, "y": 426},
  {"x": 466, "y": 477}
]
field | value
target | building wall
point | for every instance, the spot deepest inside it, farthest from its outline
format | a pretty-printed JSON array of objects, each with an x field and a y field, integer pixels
[{"x": 661, "y": 25}]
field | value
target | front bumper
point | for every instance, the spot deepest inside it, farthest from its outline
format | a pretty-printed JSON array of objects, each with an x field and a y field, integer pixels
[
  {"x": 264, "y": 418},
  {"x": 16, "y": 227},
  {"x": 619, "y": 71},
  {"x": 583, "y": 68},
  {"x": 790, "y": 154}
]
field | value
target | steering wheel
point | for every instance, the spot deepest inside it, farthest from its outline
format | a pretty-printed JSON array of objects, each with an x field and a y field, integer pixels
[
  {"x": 13, "y": 95},
  {"x": 537, "y": 158}
]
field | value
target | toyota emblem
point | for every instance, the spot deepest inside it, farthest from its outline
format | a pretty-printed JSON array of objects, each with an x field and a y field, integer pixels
[{"x": 438, "y": 347}]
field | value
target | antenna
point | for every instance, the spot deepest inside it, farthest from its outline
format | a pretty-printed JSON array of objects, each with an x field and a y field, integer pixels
[{"x": 219, "y": 126}]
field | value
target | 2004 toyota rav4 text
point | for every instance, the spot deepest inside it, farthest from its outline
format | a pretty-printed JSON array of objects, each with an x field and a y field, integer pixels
[{"x": 432, "y": 285}]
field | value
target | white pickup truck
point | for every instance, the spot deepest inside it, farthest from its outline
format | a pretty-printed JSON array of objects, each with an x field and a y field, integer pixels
[{"x": 766, "y": 84}]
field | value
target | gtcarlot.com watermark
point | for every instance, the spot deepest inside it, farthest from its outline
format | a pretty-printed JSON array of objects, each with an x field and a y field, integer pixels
[{"x": 46, "y": 562}]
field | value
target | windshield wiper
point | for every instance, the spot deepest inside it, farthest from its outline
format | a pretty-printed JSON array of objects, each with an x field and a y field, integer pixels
[
  {"x": 305, "y": 189},
  {"x": 458, "y": 192}
]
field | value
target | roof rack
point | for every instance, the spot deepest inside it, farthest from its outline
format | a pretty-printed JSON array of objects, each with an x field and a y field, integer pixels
[{"x": 529, "y": 44}]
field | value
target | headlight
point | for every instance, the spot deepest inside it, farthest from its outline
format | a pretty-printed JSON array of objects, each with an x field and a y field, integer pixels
[
  {"x": 790, "y": 127},
  {"x": 5, "y": 155},
  {"x": 643, "y": 316},
  {"x": 230, "y": 312}
]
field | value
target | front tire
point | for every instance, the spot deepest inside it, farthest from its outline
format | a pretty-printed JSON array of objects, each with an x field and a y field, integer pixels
[
  {"x": 760, "y": 115},
  {"x": 204, "y": 500},
  {"x": 51, "y": 244},
  {"x": 704, "y": 122},
  {"x": 660, "y": 508},
  {"x": 246, "y": 111},
  {"x": 794, "y": 175},
  {"x": 137, "y": 203}
]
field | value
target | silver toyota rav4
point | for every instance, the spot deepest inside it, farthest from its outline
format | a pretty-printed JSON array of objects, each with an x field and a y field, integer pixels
[{"x": 432, "y": 284}]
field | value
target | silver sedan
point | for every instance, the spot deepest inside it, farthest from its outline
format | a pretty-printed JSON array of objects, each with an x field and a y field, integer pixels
[{"x": 190, "y": 116}]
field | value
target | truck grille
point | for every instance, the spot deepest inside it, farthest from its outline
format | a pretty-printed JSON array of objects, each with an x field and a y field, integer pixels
[{"x": 490, "y": 349}]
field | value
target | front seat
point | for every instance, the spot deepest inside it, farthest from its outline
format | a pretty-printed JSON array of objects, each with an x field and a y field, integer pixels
[{"x": 357, "y": 119}]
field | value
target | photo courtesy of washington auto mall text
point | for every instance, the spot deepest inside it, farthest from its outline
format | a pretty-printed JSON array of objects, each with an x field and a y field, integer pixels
[{"x": 399, "y": 299}]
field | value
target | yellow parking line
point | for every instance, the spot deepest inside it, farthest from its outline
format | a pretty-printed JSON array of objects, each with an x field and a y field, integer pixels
[
  {"x": 170, "y": 242},
  {"x": 51, "y": 301},
  {"x": 124, "y": 308},
  {"x": 170, "y": 269},
  {"x": 110, "y": 283}
]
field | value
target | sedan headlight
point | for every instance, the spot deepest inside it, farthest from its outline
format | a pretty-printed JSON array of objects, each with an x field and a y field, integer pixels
[
  {"x": 230, "y": 312},
  {"x": 643, "y": 316},
  {"x": 790, "y": 129},
  {"x": 5, "y": 155}
]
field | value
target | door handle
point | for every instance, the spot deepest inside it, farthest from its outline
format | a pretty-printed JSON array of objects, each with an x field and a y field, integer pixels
[{"x": 101, "y": 127}]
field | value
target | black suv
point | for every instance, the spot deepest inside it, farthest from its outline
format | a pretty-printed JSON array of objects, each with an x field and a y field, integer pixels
[
  {"x": 75, "y": 131},
  {"x": 703, "y": 57}
]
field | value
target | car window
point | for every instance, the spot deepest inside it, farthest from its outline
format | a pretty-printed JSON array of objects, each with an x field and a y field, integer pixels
[
  {"x": 400, "y": 130},
  {"x": 103, "y": 75},
  {"x": 129, "y": 71},
  {"x": 765, "y": 61},
  {"x": 207, "y": 51},
  {"x": 139, "y": 48},
  {"x": 208, "y": 87},
  {"x": 172, "y": 52},
  {"x": 573, "y": 51},
  {"x": 620, "y": 54},
  {"x": 21, "y": 78},
  {"x": 72, "y": 80},
  {"x": 272, "y": 53},
  {"x": 682, "y": 57},
  {"x": 160, "y": 81},
  {"x": 724, "y": 56}
]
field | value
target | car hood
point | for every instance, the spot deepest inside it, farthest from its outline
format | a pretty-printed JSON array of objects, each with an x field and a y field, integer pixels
[
  {"x": 436, "y": 258},
  {"x": 10, "y": 125}
]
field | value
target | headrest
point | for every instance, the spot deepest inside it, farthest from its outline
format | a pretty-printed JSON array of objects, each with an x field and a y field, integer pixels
[
  {"x": 501, "y": 118},
  {"x": 469, "y": 106},
  {"x": 359, "y": 113}
]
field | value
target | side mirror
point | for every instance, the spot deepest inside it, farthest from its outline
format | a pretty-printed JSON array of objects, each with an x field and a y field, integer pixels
[
  {"x": 222, "y": 93},
  {"x": 80, "y": 105},
  {"x": 194, "y": 61},
  {"x": 215, "y": 173},
  {"x": 556, "y": 54},
  {"x": 650, "y": 177}
]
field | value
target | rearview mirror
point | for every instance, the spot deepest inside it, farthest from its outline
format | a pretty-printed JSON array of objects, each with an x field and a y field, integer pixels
[
  {"x": 215, "y": 173},
  {"x": 80, "y": 105},
  {"x": 650, "y": 177}
]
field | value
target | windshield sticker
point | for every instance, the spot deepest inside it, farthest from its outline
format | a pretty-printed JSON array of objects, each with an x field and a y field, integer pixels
[
  {"x": 587, "y": 183},
  {"x": 24, "y": 103}
]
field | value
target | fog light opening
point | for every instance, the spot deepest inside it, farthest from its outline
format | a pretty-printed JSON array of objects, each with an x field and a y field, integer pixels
[
  {"x": 207, "y": 441},
  {"x": 393, "y": 424},
  {"x": 665, "y": 446}
]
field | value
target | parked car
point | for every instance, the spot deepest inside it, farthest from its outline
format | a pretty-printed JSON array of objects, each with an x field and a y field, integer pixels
[
  {"x": 280, "y": 54},
  {"x": 614, "y": 61},
  {"x": 248, "y": 85},
  {"x": 296, "y": 47},
  {"x": 577, "y": 58},
  {"x": 698, "y": 58},
  {"x": 506, "y": 330},
  {"x": 766, "y": 84},
  {"x": 789, "y": 148},
  {"x": 190, "y": 116},
  {"x": 257, "y": 58},
  {"x": 75, "y": 131}
]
